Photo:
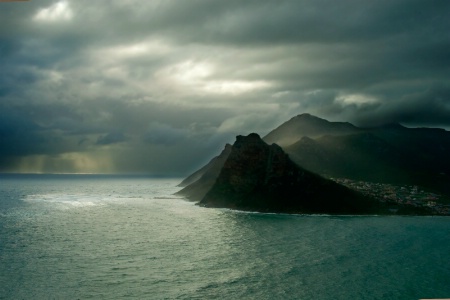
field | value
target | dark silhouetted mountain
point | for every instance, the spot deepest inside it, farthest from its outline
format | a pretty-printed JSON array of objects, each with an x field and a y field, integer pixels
[
  {"x": 391, "y": 154},
  {"x": 306, "y": 125},
  {"x": 425, "y": 151},
  {"x": 259, "y": 177},
  {"x": 426, "y": 148},
  {"x": 199, "y": 183},
  {"x": 388, "y": 154},
  {"x": 362, "y": 156}
]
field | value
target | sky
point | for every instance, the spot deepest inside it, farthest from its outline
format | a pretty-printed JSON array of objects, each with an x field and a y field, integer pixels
[{"x": 158, "y": 87}]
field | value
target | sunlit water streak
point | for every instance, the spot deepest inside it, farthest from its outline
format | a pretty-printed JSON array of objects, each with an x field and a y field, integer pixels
[{"x": 111, "y": 237}]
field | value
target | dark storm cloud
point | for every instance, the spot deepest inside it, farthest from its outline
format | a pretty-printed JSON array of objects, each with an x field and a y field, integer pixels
[
  {"x": 16, "y": 132},
  {"x": 111, "y": 138},
  {"x": 163, "y": 134},
  {"x": 107, "y": 85},
  {"x": 418, "y": 109}
]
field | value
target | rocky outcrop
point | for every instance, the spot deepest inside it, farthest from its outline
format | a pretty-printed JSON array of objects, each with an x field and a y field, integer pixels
[{"x": 259, "y": 177}]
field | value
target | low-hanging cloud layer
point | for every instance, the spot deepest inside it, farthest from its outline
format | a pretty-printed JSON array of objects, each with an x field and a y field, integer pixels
[{"x": 159, "y": 86}]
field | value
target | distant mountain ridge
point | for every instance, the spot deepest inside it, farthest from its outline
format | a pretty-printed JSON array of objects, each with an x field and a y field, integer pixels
[
  {"x": 391, "y": 154},
  {"x": 361, "y": 156},
  {"x": 307, "y": 125}
]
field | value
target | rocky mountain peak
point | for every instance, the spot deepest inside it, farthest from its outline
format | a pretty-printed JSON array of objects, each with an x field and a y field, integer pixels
[
  {"x": 251, "y": 138},
  {"x": 261, "y": 177}
]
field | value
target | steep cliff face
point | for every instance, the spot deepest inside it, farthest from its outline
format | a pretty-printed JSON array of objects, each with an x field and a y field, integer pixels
[{"x": 260, "y": 177}]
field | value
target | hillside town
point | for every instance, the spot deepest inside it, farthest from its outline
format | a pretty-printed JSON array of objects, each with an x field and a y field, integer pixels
[{"x": 405, "y": 195}]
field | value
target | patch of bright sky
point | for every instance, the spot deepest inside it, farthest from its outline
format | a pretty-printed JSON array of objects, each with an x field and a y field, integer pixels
[
  {"x": 59, "y": 11},
  {"x": 153, "y": 47},
  {"x": 55, "y": 76},
  {"x": 234, "y": 87},
  {"x": 356, "y": 99},
  {"x": 197, "y": 75}
]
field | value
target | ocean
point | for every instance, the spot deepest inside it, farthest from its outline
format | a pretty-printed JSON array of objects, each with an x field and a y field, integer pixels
[{"x": 129, "y": 237}]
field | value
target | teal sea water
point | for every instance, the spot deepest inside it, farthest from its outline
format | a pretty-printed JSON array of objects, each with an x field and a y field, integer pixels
[{"x": 112, "y": 237}]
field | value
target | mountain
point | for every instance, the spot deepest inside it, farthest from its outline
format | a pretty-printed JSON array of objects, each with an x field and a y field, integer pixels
[
  {"x": 210, "y": 168},
  {"x": 362, "y": 156},
  {"x": 200, "y": 182},
  {"x": 259, "y": 177},
  {"x": 309, "y": 126},
  {"x": 251, "y": 175},
  {"x": 426, "y": 148},
  {"x": 390, "y": 153},
  {"x": 426, "y": 153}
]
